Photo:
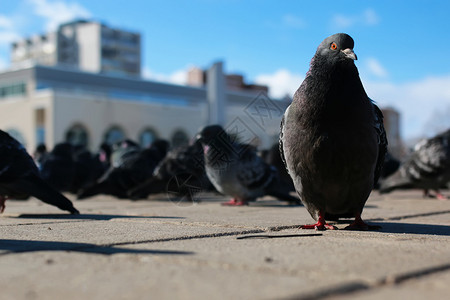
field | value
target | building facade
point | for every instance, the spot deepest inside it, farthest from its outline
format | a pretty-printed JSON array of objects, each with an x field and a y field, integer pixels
[
  {"x": 392, "y": 126},
  {"x": 43, "y": 104},
  {"x": 85, "y": 45}
]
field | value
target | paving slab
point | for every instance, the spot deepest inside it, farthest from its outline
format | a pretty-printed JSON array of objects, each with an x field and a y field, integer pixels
[{"x": 161, "y": 249}]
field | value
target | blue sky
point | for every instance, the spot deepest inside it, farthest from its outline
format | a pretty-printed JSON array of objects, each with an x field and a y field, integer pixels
[{"x": 402, "y": 46}]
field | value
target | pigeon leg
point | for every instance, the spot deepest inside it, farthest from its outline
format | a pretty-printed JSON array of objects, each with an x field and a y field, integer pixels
[
  {"x": 235, "y": 202},
  {"x": 2, "y": 203},
  {"x": 440, "y": 196},
  {"x": 320, "y": 225},
  {"x": 360, "y": 225}
]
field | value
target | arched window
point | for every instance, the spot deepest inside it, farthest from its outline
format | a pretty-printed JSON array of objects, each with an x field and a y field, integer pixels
[
  {"x": 17, "y": 135},
  {"x": 147, "y": 137},
  {"x": 77, "y": 135},
  {"x": 113, "y": 135},
  {"x": 179, "y": 138}
]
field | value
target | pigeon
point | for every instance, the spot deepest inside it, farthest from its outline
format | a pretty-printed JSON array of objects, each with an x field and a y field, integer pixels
[
  {"x": 19, "y": 176},
  {"x": 332, "y": 137},
  {"x": 130, "y": 166},
  {"x": 273, "y": 158},
  {"x": 181, "y": 172},
  {"x": 58, "y": 168},
  {"x": 40, "y": 155},
  {"x": 236, "y": 170},
  {"x": 87, "y": 169},
  {"x": 428, "y": 167}
]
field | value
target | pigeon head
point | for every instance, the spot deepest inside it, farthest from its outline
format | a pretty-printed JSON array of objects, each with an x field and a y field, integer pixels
[
  {"x": 337, "y": 48},
  {"x": 210, "y": 133},
  {"x": 162, "y": 146}
]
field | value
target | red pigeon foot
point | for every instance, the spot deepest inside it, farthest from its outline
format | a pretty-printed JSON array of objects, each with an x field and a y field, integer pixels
[
  {"x": 320, "y": 225},
  {"x": 360, "y": 225},
  {"x": 234, "y": 202},
  {"x": 2, "y": 203},
  {"x": 440, "y": 196}
]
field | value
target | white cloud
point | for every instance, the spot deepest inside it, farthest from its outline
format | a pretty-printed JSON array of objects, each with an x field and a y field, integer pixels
[
  {"x": 57, "y": 12},
  {"x": 293, "y": 21},
  {"x": 374, "y": 67},
  {"x": 5, "y": 22},
  {"x": 281, "y": 83},
  {"x": 176, "y": 77},
  {"x": 342, "y": 21},
  {"x": 7, "y": 32},
  {"x": 368, "y": 18},
  {"x": 419, "y": 102},
  {"x": 8, "y": 36}
]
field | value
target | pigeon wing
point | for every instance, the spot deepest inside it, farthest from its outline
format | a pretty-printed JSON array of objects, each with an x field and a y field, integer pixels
[
  {"x": 431, "y": 158},
  {"x": 253, "y": 172},
  {"x": 382, "y": 142}
]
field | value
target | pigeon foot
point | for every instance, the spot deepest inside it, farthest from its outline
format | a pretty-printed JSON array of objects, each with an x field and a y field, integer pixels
[
  {"x": 2, "y": 203},
  {"x": 440, "y": 196},
  {"x": 320, "y": 225},
  {"x": 360, "y": 225},
  {"x": 235, "y": 202}
]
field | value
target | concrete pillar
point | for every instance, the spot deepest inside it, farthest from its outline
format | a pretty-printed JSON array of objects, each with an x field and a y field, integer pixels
[{"x": 215, "y": 86}]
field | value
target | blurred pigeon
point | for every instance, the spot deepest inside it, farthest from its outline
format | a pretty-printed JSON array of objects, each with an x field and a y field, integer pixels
[
  {"x": 58, "y": 168},
  {"x": 428, "y": 167},
  {"x": 87, "y": 169},
  {"x": 40, "y": 155},
  {"x": 332, "y": 137},
  {"x": 20, "y": 176},
  {"x": 236, "y": 170},
  {"x": 181, "y": 172},
  {"x": 390, "y": 166},
  {"x": 273, "y": 158},
  {"x": 130, "y": 166}
]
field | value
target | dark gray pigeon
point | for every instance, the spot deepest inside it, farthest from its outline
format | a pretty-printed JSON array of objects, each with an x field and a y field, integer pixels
[
  {"x": 19, "y": 177},
  {"x": 428, "y": 167},
  {"x": 332, "y": 137},
  {"x": 130, "y": 167},
  {"x": 181, "y": 174},
  {"x": 236, "y": 170}
]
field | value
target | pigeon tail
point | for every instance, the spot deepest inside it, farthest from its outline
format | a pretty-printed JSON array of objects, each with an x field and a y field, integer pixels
[
  {"x": 393, "y": 182},
  {"x": 280, "y": 195},
  {"x": 37, "y": 187},
  {"x": 151, "y": 186}
]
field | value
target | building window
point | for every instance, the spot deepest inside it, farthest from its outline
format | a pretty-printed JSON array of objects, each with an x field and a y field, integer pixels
[
  {"x": 179, "y": 138},
  {"x": 77, "y": 135},
  {"x": 114, "y": 135},
  {"x": 147, "y": 137},
  {"x": 17, "y": 135},
  {"x": 15, "y": 89}
]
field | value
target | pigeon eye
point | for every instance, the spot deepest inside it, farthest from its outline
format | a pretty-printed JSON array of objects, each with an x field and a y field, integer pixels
[{"x": 333, "y": 46}]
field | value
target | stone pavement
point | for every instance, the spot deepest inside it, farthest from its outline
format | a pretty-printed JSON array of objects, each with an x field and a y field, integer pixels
[{"x": 159, "y": 249}]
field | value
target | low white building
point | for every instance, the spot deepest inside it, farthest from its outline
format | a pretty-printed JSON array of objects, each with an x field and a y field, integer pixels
[{"x": 43, "y": 104}]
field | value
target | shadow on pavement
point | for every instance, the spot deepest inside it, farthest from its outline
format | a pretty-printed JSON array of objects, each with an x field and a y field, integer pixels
[
  {"x": 412, "y": 228},
  {"x": 21, "y": 246},
  {"x": 97, "y": 217}
]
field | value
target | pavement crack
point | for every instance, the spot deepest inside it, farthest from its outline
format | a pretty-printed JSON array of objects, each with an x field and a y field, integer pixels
[
  {"x": 433, "y": 213},
  {"x": 190, "y": 237},
  {"x": 356, "y": 287},
  {"x": 397, "y": 279}
]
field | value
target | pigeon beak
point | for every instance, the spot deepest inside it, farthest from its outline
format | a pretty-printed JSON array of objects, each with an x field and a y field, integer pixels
[
  {"x": 198, "y": 137},
  {"x": 349, "y": 53}
]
